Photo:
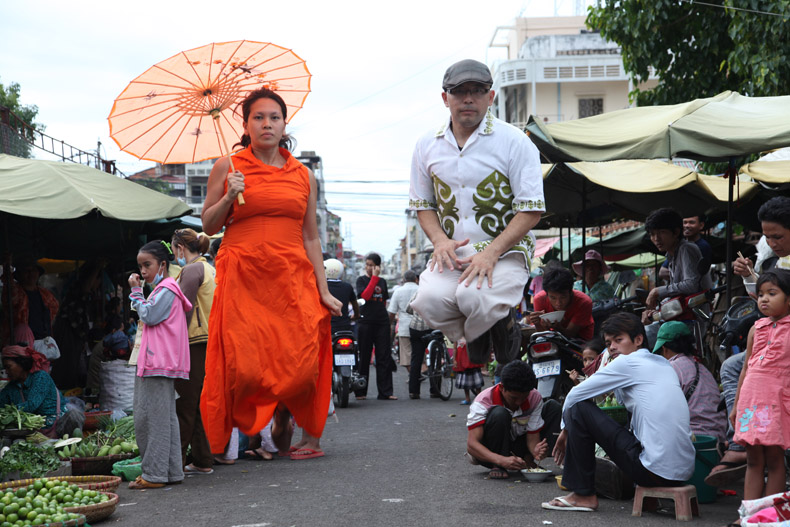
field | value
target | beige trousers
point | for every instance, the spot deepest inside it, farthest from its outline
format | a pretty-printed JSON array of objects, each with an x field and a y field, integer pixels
[{"x": 461, "y": 311}]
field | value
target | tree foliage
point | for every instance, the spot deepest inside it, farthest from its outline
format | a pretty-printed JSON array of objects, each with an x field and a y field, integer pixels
[
  {"x": 10, "y": 140},
  {"x": 697, "y": 50}
]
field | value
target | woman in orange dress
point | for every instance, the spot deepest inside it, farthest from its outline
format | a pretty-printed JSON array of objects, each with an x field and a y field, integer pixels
[{"x": 269, "y": 350}]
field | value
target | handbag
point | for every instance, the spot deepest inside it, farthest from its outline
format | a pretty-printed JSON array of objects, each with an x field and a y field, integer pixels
[{"x": 47, "y": 347}]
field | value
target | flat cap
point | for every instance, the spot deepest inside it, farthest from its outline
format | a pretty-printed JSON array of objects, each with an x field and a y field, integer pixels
[{"x": 466, "y": 71}]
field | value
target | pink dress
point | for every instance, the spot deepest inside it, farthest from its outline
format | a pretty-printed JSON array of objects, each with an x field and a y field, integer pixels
[{"x": 763, "y": 416}]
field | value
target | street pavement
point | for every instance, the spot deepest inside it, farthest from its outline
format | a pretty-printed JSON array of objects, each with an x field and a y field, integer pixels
[{"x": 388, "y": 463}]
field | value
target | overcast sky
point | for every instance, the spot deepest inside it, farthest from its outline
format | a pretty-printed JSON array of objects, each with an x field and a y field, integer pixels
[{"x": 376, "y": 86}]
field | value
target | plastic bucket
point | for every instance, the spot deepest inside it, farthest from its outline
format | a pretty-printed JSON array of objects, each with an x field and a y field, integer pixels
[{"x": 706, "y": 457}]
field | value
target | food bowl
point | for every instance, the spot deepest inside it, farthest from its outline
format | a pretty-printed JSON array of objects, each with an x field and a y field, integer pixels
[
  {"x": 553, "y": 318},
  {"x": 536, "y": 475}
]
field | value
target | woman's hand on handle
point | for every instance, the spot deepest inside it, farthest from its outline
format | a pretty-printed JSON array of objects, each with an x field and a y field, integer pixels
[{"x": 235, "y": 184}]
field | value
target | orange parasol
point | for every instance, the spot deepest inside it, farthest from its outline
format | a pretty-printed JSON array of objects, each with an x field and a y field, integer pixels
[{"x": 181, "y": 109}]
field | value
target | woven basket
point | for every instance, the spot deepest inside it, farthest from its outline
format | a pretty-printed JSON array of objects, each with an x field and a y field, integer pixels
[
  {"x": 618, "y": 413},
  {"x": 100, "y": 483},
  {"x": 95, "y": 466},
  {"x": 97, "y": 512}
]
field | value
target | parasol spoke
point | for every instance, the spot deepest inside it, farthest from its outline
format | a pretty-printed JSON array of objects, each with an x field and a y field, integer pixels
[
  {"x": 175, "y": 110},
  {"x": 189, "y": 83},
  {"x": 174, "y": 113},
  {"x": 178, "y": 138},
  {"x": 225, "y": 63}
]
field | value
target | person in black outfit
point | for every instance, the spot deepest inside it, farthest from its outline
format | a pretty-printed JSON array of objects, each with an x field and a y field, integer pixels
[
  {"x": 343, "y": 292},
  {"x": 374, "y": 329}
]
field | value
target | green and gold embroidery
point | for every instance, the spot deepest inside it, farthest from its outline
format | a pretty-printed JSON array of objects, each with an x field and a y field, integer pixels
[
  {"x": 421, "y": 204},
  {"x": 493, "y": 200},
  {"x": 489, "y": 123},
  {"x": 526, "y": 246},
  {"x": 529, "y": 205},
  {"x": 445, "y": 205}
]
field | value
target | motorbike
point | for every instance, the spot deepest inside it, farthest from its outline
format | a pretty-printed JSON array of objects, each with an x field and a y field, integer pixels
[
  {"x": 551, "y": 355},
  {"x": 734, "y": 327},
  {"x": 345, "y": 377},
  {"x": 604, "y": 308}
]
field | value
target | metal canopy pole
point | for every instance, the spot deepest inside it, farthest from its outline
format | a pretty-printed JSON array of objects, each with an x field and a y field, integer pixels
[{"x": 731, "y": 174}]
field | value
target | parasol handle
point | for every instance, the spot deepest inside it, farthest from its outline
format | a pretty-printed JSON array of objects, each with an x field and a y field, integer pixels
[{"x": 240, "y": 196}]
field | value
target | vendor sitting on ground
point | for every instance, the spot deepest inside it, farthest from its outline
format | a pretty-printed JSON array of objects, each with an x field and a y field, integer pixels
[
  {"x": 658, "y": 453},
  {"x": 676, "y": 343},
  {"x": 558, "y": 295},
  {"x": 592, "y": 270},
  {"x": 30, "y": 387},
  {"x": 505, "y": 423}
]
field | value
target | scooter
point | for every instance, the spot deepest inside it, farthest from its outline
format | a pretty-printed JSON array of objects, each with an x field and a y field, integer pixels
[
  {"x": 345, "y": 377},
  {"x": 605, "y": 308},
  {"x": 551, "y": 355},
  {"x": 734, "y": 327}
]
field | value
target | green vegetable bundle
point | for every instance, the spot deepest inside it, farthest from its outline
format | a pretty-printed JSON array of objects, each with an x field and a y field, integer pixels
[
  {"x": 99, "y": 444},
  {"x": 13, "y": 417},
  {"x": 28, "y": 458}
]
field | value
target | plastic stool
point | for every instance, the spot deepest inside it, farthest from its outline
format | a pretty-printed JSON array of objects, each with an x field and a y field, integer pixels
[{"x": 685, "y": 499}]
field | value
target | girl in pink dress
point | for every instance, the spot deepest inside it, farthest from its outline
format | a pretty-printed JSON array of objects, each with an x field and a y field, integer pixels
[{"x": 761, "y": 414}]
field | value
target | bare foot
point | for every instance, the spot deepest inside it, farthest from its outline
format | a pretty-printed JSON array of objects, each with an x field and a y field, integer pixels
[
  {"x": 221, "y": 460},
  {"x": 282, "y": 428},
  {"x": 498, "y": 473}
]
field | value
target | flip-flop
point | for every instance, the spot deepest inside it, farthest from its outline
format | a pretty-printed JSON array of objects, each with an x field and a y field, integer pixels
[
  {"x": 142, "y": 484},
  {"x": 192, "y": 469},
  {"x": 306, "y": 453},
  {"x": 465, "y": 403},
  {"x": 733, "y": 473},
  {"x": 222, "y": 461},
  {"x": 566, "y": 506}
]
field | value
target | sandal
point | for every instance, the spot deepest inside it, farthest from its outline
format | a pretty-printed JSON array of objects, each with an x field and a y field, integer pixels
[
  {"x": 140, "y": 483},
  {"x": 498, "y": 473}
]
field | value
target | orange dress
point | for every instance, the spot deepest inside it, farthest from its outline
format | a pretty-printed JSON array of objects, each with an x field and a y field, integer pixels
[{"x": 269, "y": 334}]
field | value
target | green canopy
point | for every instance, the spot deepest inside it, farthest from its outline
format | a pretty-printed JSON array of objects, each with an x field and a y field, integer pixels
[
  {"x": 638, "y": 261},
  {"x": 630, "y": 189},
  {"x": 69, "y": 211},
  {"x": 717, "y": 128},
  {"x": 55, "y": 190}
]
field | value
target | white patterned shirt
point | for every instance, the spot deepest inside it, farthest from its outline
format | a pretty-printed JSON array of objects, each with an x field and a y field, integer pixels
[{"x": 477, "y": 190}]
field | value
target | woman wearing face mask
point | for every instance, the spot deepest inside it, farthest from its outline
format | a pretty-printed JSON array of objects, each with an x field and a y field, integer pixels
[
  {"x": 163, "y": 358},
  {"x": 196, "y": 280}
]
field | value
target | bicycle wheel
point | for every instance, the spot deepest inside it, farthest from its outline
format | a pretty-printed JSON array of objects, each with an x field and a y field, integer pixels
[{"x": 441, "y": 372}]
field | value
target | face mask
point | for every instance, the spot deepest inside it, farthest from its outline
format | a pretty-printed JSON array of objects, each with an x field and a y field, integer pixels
[
  {"x": 182, "y": 262},
  {"x": 158, "y": 278}
]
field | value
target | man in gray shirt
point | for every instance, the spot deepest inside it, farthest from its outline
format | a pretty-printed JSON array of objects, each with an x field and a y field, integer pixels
[{"x": 657, "y": 453}]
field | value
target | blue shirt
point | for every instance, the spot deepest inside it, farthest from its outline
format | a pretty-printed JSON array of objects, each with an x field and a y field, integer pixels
[
  {"x": 649, "y": 388},
  {"x": 36, "y": 395}
]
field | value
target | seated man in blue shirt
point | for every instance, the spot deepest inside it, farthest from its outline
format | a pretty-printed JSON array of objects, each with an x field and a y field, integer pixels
[{"x": 659, "y": 451}]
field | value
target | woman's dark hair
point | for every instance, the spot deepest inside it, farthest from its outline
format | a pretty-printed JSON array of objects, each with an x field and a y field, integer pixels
[
  {"x": 196, "y": 243},
  {"x": 287, "y": 141},
  {"x": 558, "y": 281},
  {"x": 26, "y": 363},
  {"x": 596, "y": 344},
  {"x": 374, "y": 257},
  {"x": 517, "y": 376},
  {"x": 777, "y": 277},
  {"x": 664, "y": 219},
  {"x": 627, "y": 323},
  {"x": 160, "y": 250},
  {"x": 776, "y": 210},
  {"x": 683, "y": 344}
]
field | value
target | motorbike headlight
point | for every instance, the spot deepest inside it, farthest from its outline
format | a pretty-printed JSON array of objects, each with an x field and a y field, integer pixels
[{"x": 671, "y": 309}]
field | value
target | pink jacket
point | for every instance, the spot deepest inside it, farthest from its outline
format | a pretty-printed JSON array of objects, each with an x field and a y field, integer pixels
[{"x": 164, "y": 348}]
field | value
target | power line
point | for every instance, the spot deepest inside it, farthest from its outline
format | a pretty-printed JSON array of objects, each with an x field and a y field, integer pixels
[
  {"x": 755, "y": 11},
  {"x": 404, "y": 196}
]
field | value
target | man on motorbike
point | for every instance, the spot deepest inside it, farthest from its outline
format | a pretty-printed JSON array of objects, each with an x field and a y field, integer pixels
[
  {"x": 558, "y": 295},
  {"x": 343, "y": 291},
  {"x": 665, "y": 228}
]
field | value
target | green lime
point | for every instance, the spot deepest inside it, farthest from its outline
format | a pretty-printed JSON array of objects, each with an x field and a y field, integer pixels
[{"x": 12, "y": 518}]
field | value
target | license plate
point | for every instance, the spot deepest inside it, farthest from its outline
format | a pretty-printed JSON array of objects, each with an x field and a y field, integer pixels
[
  {"x": 348, "y": 360},
  {"x": 544, "y": 369}
]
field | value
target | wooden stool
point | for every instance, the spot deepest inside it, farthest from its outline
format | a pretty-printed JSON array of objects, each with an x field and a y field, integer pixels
[{"x": 685, "y": 499}]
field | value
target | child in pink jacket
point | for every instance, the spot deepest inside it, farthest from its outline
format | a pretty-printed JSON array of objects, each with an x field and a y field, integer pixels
[{"x": 163, "y": 357}]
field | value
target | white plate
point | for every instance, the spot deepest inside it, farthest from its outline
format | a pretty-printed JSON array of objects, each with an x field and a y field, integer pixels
[
  {"x": 345, "y": 360},
  {"x": 544, "y": 369}
]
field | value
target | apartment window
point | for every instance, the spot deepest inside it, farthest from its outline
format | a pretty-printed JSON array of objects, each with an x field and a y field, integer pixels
[
  {"x": 588, "y": 107},
  {"x": 198, "y": 191}
]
